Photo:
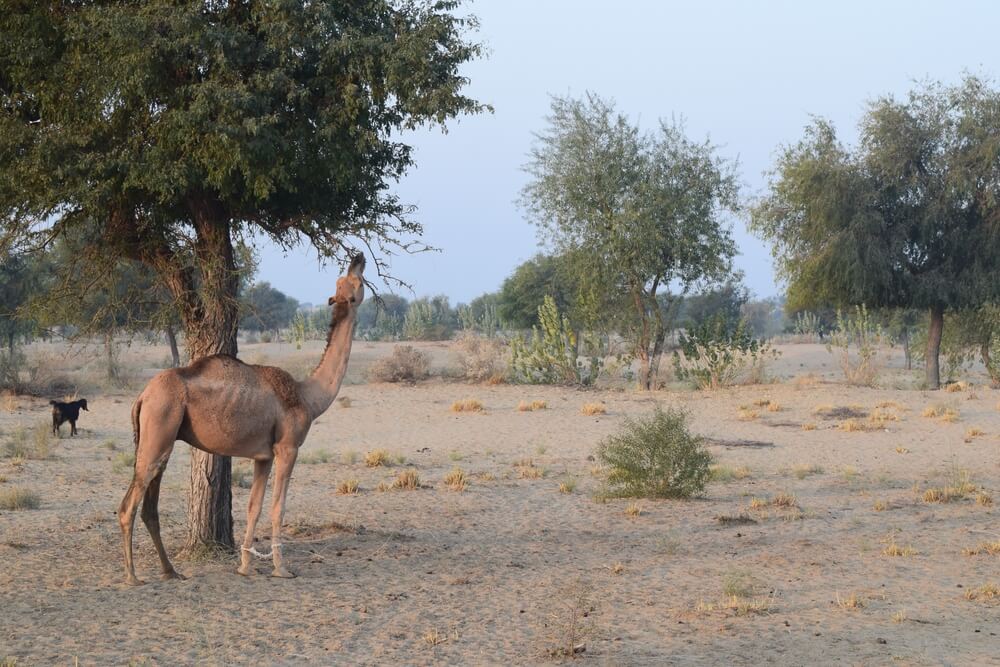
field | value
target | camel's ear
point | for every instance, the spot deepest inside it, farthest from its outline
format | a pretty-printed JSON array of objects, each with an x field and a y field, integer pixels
[
  {"x": 331, "y": 300},
  {"x": 357, "y": 265}
]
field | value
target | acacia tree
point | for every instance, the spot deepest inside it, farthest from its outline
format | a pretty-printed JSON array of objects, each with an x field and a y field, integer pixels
[
  {"x": 906, "y": 219},
  {"x": 638, "y": 211},
  {"x": 170, "y": 130}
]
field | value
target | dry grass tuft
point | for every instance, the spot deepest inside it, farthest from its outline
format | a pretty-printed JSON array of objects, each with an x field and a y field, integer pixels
[
  {"x": 894, "y": 550},
  {"x": 456, "y": 480},
  {"x": 376, "y": 457},
  {"x": 383, "y": 487},
  {"x": 941, "y": 412},
  {"x": 984, "y": 592},
  {"x": 526, "y": 469},
  {"x": 735, "y": 519},
  {"x": 319, "y": 456},
  {"x": 809, "y": 426},
  {"x": 987, "y": 548},
  {"x": 880, "y": 506},
  {"x": 18, "y": 498},
  {"x": 567, "y": 486},
  {"x": 747, "y": 414},
  {"x": 784, "y": 500},
  {"x": 467, "y": 405},
  {"x": 899, "y": 616},
  {"x": 773, "y": 406},
  {"x": 591, "y": 409},
  {"x": 961, "y": 486},
  {"x": 984, "y": 499},
  {"x": 852, "y": 601},
  {"x": 407, "y": 480},
  {"x": 902, "y": 450},
  {"x": 974, "y": 432},
  {"x": 123, "y": 462},
  {"x": 349, "y": 487},
  {"x": 956, "y": 387},
  {"x": 344, "y": 402},
  {"x": 802, "y": 470},
  {"x": 633, "y": 510},
  {"x": 722, "y": 473},
  {"x": 533, "y": 406},
  {"x": 857, "y": 426}
]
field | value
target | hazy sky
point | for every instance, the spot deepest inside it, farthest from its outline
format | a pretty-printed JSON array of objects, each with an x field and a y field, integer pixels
[{"x": 747, "y": 74}]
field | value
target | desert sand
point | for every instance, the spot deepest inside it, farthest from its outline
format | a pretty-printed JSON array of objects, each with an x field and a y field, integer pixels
[{"x": 512, "y": 570}]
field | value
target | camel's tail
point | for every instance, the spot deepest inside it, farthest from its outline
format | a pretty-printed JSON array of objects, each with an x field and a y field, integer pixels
[{"x": 136, "y": 408}]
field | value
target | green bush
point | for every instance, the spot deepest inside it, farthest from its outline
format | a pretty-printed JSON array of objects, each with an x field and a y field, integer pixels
[
  {"x": 656, "y": 458},
  {"x": 717, "y": 353},
  {"x": 548, "y": 356}
]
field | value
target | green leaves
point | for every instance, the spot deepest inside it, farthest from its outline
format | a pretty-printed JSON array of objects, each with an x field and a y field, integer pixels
[
  {"x": 656, "y": 457},
  {"x": 283, "y": 115}
]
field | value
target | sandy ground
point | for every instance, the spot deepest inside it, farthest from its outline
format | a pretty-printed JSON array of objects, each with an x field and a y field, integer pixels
[{"x": 502, "y": 572}]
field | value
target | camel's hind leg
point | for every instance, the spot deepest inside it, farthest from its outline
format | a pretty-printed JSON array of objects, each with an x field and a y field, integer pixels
[
  {"x": 151, "y": 517},
  {"x": 261, "y": 469}
]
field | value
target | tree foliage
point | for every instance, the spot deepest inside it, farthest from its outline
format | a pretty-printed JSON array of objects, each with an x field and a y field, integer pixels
[
  {"x": 163, "y": 131},
  {"x": 637, "y": 211},
  {"x": 907, "y": 218}
]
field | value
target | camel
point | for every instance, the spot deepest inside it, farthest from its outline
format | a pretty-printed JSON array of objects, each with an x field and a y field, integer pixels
[{"x": 223, "y": 406}]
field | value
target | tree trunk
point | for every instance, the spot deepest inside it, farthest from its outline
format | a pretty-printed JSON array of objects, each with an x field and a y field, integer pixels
[
  {"x": 934, "y": 331},
  {"x": 175, "y": 355},
  {"x": 109, "y": 350},
  {"x": 210, "y": 323},
  {"x": 907, "y": 356}
]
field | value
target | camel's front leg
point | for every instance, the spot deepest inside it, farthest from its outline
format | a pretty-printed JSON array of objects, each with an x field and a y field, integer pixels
[
  {"x": 261, "y": 469},
  {"x": 284, "y": 462}
]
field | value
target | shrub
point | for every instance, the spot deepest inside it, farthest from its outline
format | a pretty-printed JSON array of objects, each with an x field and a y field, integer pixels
[
  {"x": 19, "y": 499},
  {"x": 405, "y": 364},
  {"x": 549, "y": 355},
  {"x": 867, "y": 336},
  {"x": 377, "y": 457},
  {"x": 656, "y": 457},
  {"x": 467, "y": 405},
  {"x": 717, "y": 353},
  {"x": 482, "y": 359}
]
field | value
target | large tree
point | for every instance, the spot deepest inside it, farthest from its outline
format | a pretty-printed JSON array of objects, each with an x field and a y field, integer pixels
[
  {"x": 640, "y": 212},
  {"x": 170, "y": 130},
  {"x": 908, "y": 218}
]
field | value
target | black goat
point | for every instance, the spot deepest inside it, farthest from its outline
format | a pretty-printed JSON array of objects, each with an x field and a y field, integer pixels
[{"x": 66, "y": 412}]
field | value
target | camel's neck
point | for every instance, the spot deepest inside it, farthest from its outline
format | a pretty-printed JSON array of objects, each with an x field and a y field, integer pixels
[{"x": 321, "y": 387}]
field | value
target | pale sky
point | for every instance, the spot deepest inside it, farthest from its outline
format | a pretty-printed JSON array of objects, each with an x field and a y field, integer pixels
[{"x": 747, "y": 74}]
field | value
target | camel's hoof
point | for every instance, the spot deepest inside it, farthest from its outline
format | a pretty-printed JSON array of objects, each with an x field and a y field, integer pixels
[
  {"x": 246, "y": 570},
  {"x": 172, "y": 574},
  {"x": 282, "y": 573},
  {"x": 134, "y": 581}
]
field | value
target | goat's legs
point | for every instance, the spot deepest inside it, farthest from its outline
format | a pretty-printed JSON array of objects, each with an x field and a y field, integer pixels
[
  {"x": 72, "y": 427},
  {"x": 151, "y": 517},
  {"x": 261, "y": 469},
  {"x": 284, "y": 462}
]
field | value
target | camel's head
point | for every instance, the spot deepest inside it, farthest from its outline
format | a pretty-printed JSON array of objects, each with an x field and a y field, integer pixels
[{"x": 351, "y": 288}]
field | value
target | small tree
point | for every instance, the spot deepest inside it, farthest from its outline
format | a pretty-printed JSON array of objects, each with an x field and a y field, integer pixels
[
  {"x": 637, "y": 212},
  {"x": 906, "y": 219},
  {"x": 656, "y": 457}
]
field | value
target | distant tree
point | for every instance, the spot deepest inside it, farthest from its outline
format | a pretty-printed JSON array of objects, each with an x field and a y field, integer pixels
[
  {"x": 639, "y": 213},
  {"x": 907, "y": 219},
  {"x": 524, "y": 290},
  {"x": 430, "y": 319},
  {"x": 723, "y": 301},
  {"x": 382, "y": 318},
  {"x": 765, "y": 317},
  {"x": 267, "y": 308},
  {"x": 168, "y": 130},
  {"x": 21, "y": 278}
]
